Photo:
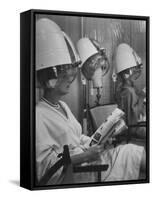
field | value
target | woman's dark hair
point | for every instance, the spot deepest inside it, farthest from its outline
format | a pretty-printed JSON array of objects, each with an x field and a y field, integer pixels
[
  {"x": 44, "y": 75},
  {"x": 122, "y": 74}
]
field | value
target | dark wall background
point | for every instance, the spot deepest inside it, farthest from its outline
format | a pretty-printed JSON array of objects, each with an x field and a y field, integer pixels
[{"x": 110, "y": 33}]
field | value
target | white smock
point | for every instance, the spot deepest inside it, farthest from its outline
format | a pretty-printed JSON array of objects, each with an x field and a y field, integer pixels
[{"x": 54, "y": 130}]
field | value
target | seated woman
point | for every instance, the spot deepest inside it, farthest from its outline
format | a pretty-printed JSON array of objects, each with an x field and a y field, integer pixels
[
  {"x": 129, "y": 98},
  {"x": 57, "y": 126}
]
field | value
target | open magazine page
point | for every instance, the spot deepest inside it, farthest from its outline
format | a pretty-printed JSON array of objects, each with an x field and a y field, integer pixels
[{"x": 112, "y": 126}]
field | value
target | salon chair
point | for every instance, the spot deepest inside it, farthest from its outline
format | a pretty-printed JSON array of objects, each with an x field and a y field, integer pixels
[
  {"x": 134, "y": 138},
  {"x": 100, "y": 113},
  {"x": 69, "y": 169}
]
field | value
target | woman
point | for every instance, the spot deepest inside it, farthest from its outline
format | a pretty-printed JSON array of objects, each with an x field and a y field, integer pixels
[
  {"x": 132, "y": 101},
  {"x": 57, "y": 126}
]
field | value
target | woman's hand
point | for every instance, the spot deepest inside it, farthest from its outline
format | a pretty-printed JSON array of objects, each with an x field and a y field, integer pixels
[{"x": 93, "y": 153}]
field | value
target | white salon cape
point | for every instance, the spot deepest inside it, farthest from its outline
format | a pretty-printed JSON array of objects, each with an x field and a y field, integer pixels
[{"x": 54, "y": 130}]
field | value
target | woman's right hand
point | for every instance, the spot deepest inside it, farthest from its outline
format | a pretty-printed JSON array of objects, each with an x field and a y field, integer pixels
[{"x": 93, "y": 153}]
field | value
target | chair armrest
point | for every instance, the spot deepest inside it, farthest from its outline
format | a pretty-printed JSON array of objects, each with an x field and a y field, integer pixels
[
  {"x": 90, "y": 168},
  {"x": 65, "y": 162},
  {"x": 139, "y": 124}
]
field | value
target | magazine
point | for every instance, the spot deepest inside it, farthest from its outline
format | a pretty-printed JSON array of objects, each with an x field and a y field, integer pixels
[{"x": 112, "y": 126}]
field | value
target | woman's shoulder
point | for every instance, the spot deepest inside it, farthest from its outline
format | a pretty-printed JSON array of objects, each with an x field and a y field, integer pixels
[
  {"x": 126, "y": 91},
  {"x": 40, "y": 107}
]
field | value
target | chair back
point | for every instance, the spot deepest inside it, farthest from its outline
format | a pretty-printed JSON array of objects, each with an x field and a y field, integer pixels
[{"x": 100, "y": 113}]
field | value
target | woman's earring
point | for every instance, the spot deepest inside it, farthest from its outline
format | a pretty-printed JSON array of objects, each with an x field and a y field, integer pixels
[
  {"x": 51, "y": 83},
  {"x": 126, "y": 76}
]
